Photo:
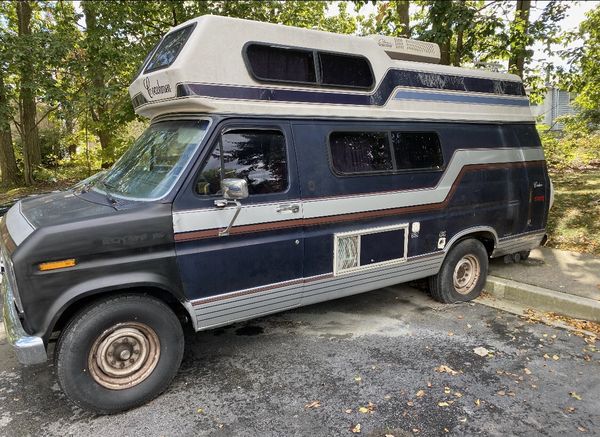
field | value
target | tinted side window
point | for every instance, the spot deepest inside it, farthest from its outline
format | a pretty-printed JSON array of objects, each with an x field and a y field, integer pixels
[
  {"x": 360, "y": 152},
  {"x": 169, "y": 48},
  {"x": 417, "y": 150},
  {"x": 255, "y": 155},
  {"x": 344, "y": 70},
  {"x": 281, "y": 64}
]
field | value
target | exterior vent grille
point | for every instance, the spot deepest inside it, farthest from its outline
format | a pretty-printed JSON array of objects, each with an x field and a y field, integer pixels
[
  {"x": 408, "y": 49},
  {"x": 347, "y": 252}
]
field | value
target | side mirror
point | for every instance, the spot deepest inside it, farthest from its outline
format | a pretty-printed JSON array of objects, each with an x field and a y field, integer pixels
[{"x": 234, "y": 189}]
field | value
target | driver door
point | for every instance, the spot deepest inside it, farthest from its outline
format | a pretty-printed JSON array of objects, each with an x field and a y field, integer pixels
[{"x": 256, "y": 268}]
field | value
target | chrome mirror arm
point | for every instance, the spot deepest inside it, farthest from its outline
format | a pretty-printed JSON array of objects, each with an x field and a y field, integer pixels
[{"x": 222, "y": 203}]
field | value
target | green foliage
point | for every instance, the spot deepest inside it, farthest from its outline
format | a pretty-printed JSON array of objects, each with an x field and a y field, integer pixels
[
  {"x": 574, "y": 147},
  {"x": 583, "y": 76}
]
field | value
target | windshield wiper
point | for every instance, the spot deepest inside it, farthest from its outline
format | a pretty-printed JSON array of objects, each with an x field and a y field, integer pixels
[{"x": 107, "y": 189}]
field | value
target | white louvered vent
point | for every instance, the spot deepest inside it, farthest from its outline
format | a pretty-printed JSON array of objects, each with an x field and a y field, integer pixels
[
  {"x": 408, "y": 49},
  {"x": 347, "y": 252}
]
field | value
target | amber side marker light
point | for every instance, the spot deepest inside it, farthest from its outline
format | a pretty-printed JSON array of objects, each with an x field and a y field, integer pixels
[{"x": 54, "y": 265}]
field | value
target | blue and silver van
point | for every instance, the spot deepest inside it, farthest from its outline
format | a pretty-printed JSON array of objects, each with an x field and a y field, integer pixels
[{"x": 282, "y": 167}]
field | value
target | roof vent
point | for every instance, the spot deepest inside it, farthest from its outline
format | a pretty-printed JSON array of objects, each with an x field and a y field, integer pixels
[{"x": 408, "y": 49}]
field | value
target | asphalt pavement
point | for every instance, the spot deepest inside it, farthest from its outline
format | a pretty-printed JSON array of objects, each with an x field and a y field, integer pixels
[{"x": 392, "y": 361}]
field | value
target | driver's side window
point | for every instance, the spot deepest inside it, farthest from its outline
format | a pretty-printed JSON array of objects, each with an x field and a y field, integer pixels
[{"x": 258, "y": 156}]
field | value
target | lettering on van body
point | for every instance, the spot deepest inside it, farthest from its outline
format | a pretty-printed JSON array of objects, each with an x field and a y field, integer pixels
[{"x": 154, "y": 90}]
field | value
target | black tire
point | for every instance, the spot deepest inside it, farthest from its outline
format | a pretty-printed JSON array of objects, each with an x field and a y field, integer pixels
[
  {"x": 442, "y": 286},
  {"x": 77, "y": 369}
]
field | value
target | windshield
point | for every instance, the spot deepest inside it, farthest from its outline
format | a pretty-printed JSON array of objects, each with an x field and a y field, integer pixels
[{"x": 151, "y": 166}]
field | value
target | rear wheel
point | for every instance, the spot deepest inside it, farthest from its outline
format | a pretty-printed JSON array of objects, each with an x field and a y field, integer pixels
[
  {"x": 119, "y": 353},
  {"x": 463, "y": 273}
]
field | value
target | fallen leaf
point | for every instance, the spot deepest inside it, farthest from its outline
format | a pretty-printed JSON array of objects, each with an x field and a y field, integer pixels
[
  {"x": 458, "y": 394},
  {"x": 199, "y": 411},
  {"x": 446, "y": 430},
  {"x": 410, "y": 403},
  {"x": 415, "y": 430},
  {"x": 429, "y": 384},
  {"x": 575, "y": 395},
  {"x": 389, "y": 435},
  {"x": 420, "y": 393},
  {"x": 445, "y": 369},
  {"x": 460, "y": 317},
  {"x": 446, "y": 390},
  {"x": 582, "y": 429},
  {"x": 555, "y": 357},
  {"x": 501, "y": 393},
  {"x": 356, "y": 429},
  {"x": 443, "y": 404},
  {"x": 357, "y": 378},
  {"x": 450, "y": 333},
  {"x": 368, "y": 409},
  {"x": 348, "y": 411},
  {"x": 546, "y": 356},
  {"x": 527, "y": 371},
  {"x": 570, "y": 410},
  {"x": 469, "y": 325},
  {"x": 477, "y": 402},
  {"x": 462, "y": 419},
  {"x": 481, "y": 351},
  {"x": 313, "y": 404},
  {"x": 363, "y": 410},
  {"x": 386, "y": 397}
]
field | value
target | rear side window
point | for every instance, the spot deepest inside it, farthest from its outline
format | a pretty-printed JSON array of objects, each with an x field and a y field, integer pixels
[
  {"x": 417, "y": 150},
  {"x": 258, "y": 156},
  {"x": 282, "y": 64},
  {"x": 384, "y": 152},
  {"x": 360, "y": 152},
  {"x": 344, "y": 70},
  {"x": 169, "y": 49}
]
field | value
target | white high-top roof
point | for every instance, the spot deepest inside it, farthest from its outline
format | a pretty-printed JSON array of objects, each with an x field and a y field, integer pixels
[{"x": 210, "y": 76}]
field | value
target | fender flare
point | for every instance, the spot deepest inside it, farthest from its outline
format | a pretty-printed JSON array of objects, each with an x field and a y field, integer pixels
[{"x": 106, "y": 284}]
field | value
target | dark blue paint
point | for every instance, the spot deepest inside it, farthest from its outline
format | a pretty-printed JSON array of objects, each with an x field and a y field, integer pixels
[{"x": 392, "y": 79}]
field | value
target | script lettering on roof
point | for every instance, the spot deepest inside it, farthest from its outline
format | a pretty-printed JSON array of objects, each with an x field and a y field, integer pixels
[{"x": 154, "y": 90}]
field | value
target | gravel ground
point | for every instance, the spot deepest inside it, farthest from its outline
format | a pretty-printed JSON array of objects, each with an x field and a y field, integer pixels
[{"x": 381, "y": 351}]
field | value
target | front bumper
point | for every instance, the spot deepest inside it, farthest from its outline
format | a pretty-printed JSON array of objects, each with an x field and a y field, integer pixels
[{"x": 28, "y": 349}]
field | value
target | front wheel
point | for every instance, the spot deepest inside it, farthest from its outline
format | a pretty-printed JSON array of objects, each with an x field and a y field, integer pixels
[
  {"x": 119, "y": 353},
  {"x": 463, "y": 273}
]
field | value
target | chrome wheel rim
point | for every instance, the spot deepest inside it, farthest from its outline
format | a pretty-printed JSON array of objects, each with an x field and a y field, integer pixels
[
  {"x": 466, "y": 274},
  {"x": 124, "y": 355}
]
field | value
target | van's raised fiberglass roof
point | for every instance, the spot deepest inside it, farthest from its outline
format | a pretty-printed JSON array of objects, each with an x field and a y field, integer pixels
[{"x": 233, "y": 66}]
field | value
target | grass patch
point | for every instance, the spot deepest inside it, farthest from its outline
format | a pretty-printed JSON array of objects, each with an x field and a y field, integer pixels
[{"x": 574, "y": 222}]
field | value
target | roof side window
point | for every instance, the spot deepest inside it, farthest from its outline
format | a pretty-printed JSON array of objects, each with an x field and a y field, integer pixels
[
  {"x": 258, "y": 156},
  {"x": 360, "y": 152},
  {"x": 281, "y": 64},
  {"x": 345, "y": 70},
  {"x": 169, "y": 49},
  {"x": 417, "y": 150}
]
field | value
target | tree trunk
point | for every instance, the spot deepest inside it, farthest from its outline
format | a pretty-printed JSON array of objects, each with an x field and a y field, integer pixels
[
  {"x": 27, "y": 107},
  {"x": 402, "y": 7},
  {"x": 459, "y": 47},
  {"x": 96, "y": 75},
  {"x": 8, "y": 164},
  {"x": 516, "y": 63}
]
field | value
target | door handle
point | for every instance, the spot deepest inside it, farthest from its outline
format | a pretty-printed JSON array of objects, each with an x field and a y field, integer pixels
[{"x": 288, "y": 208}]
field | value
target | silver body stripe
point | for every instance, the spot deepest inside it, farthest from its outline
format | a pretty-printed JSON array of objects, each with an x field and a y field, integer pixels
[
  {"x": 211, "y": 218},
  {"x": 18, "y": 226},
  {"x": 233, "y": 307},
  {"x": 228, "y": 310}
]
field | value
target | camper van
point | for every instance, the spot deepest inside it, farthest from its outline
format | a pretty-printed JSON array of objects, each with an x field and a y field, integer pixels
[{"x": 281, "y": 167}]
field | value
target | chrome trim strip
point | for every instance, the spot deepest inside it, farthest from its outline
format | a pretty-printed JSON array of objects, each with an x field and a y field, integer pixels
[{"x": 518, "y": 243}]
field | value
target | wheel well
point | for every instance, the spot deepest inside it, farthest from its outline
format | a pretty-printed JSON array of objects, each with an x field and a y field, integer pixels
[
  {"x": 177, "y": 307},
  {"x": 486, "y": 238}
]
